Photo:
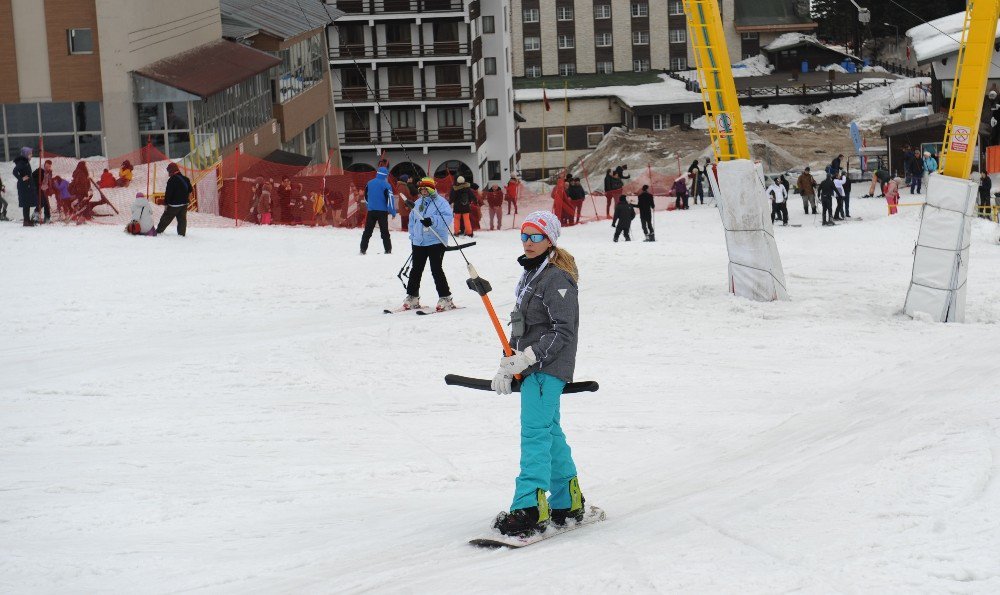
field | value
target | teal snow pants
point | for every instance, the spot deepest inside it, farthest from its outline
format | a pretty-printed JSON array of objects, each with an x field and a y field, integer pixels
[{"x": 546, "y": 460}]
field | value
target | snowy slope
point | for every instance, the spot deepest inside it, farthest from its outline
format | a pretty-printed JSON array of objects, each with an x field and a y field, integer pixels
[{"x": 231, "y": 412}]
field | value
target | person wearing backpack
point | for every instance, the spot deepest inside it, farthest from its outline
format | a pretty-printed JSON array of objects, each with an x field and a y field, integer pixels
[
  {"x": 142, "y": 217},
  {"x": 175, "y": 200}
]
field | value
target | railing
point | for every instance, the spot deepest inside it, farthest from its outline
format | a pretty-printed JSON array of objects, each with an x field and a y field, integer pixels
[
  {"x": 438, "y": 93},
  {"x": 407, "y": 136},
  {"x": 899, "y": 69},
  {"x": 391, "y": 6},
  {"x": 799, "y": 90},
  {"x": 401, "y": 50}
]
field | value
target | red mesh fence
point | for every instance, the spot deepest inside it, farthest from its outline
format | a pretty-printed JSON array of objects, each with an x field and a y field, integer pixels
[{"x": 245, "y": 190}]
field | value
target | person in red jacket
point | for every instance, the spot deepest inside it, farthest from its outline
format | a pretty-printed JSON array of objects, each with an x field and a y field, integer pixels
[
  {"x": 512, "y": 190},
  {"x": 494, "y": 200},
  {"x": 107, "y": 180}
]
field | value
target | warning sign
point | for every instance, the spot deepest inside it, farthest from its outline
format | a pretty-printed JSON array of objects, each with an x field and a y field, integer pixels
[
  {"x": 724, "y": 122},
  {"x": 960, "y": 136}
]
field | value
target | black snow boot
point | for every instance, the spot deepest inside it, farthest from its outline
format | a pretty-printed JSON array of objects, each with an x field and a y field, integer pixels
[
  {"x": 576, "y": 506},
  {"x": 524, "y": 521}
]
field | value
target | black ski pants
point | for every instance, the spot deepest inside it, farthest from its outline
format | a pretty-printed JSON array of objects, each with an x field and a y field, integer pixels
[
  {"x": 646, "y": 217},
  {"x": 827, "y": 209},
  {"x": 421, "y": 254},
  {"x": 838, "y": 213},
  {"x": 681, "y": 202},
  {"x": 169, "y": 213},
  {"x": 625, "y": 228},
  {"x": 780, "y": 211},
  {"x": 382, "y": 218},
  {"x": 847, "y": 205}
]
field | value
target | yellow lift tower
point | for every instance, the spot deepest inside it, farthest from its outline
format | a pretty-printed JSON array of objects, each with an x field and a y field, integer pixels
[
  {"x": 755, "y": 270},
  {"x": 941, "y": 256}
]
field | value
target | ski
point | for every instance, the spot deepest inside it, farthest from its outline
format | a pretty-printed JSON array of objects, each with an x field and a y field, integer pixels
[
  {"x": 429, "y": 311},
  {"x": 495, "y": 539},
  {"x": 583, "y": 386},
  {"x": 398, "y": 310}
]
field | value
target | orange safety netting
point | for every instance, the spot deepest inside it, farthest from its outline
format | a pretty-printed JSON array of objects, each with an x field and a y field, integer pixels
[{"x": 240, "y": 189}]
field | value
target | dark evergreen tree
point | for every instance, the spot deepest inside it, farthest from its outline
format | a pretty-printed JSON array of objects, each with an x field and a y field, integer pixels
[{"x": 838, "y": 19}]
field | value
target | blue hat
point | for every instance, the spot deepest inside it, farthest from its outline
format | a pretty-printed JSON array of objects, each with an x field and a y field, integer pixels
[
  {"x": 26, "y": 151},
  {"x": 383, "y": 171},
  {"x": 404, "y": 178}
]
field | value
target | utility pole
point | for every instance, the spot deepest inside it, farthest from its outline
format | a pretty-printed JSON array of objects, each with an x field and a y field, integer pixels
[{"x": 864, "y": 17}]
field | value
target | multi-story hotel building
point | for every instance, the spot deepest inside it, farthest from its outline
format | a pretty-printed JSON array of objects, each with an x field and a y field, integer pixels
[
  {"x": 567, "y": 37},
  {"x": 425, "y": 84}
]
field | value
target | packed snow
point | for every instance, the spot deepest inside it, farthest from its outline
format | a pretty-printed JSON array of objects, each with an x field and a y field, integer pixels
[
  {"x": 667, "y": 90},
  {"x": 789, "y": 40},
  {"x": 938, "y": 37},
  {"x": 231, "y": 412}
]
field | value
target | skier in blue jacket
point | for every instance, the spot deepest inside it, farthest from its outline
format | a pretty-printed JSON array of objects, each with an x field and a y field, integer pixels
[
  {"x": 544, "y": 328},
  {"x": 429, "y": 219},
  {"x": 378, "y": 196}
]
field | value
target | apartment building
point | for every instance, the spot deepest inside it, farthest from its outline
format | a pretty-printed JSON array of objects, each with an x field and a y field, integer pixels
[
  {"x": 567, "y": 37},
  {"x": 425, "y": 84}
]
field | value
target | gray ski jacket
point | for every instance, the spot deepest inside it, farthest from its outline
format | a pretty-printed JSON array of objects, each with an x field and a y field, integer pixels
[{"x": 551, "y": 310}]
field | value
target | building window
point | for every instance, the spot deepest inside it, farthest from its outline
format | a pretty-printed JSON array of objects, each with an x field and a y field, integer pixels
[
  {"x": 167, "y": 126},
  {"x": 688, "y": 118},
  {"x": 68, "y": 129},
  {"x": 534, "y": 71},
  {"x": 640, "y": 38},
  {"x": 554, "y": 139},
  {"x": 567, "y": 69},
  {"x": 490, "y": 65},
  {"x": 564, "y": 13},
  {"x": 602, "y": 11},
  {"x": 640, "y": 9},
  {"x": 606, "y": 67},
  {"x": 749, "y": 36},
  {"x": 302, "y": 66},
  {"x": 532, "y": 44},
  {"x": 81, "y": 41},
  {"x": 489, "y": 25},
  {"x": 493, "y": 170},
  {"x": 660, "y": 121},
  {"x": 678, "y": 36},
  {"x": 676, "y": 7},
  {"x": 640, "y": 65},
  {"x": 602, "y": 40},
  {"x": 594, "y": 136},
  {"x": 530, "y": 15},
  {"x": 565, "y": 42},
  {"x": 678, "y": 63},
  {"x": 492, "y": 107}
]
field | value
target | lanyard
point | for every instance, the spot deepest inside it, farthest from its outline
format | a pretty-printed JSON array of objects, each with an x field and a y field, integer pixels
[{"x": 525, "y": 284}]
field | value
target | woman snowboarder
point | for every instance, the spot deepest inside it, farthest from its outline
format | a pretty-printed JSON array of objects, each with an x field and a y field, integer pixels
[{"x": 544, "y": 327}]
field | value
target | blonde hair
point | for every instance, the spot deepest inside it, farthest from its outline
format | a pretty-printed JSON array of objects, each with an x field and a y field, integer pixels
[{"x": 564, "y": 260}]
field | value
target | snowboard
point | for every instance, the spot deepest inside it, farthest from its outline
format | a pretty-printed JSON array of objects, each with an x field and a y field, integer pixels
[{"x": 495, "y": 539}]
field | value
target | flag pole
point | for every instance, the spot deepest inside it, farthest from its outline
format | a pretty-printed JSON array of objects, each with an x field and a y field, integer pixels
[
  {"x": 565, "y": 118},
  {"x": 544, "y": 135}
]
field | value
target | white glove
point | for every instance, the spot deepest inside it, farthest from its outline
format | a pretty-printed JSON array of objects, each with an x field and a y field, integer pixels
[{"x": 509, "y": 367}]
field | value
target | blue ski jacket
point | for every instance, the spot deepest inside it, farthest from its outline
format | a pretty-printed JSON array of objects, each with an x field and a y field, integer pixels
[
  {"x": 378, "y": 193},
  {"x": 440, "y": 213}
]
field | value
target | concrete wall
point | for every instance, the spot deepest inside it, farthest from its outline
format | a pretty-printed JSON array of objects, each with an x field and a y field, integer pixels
[
  {"x": 31, "y": 46},
  {"x": 500, "y": 130},
  {"x": 621, "y": 22},
  {"x": 135, "y": 33}
]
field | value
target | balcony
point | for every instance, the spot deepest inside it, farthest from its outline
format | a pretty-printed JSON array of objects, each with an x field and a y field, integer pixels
[
  {"x": 407, "y": 136},
  {"x": 394, "y": 94},
  {"x": 380, "y": 7},
  {"x": 405, "y": 51}
]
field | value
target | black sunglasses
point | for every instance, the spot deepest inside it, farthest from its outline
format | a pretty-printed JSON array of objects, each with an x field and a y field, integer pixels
[{"x": 534, "y": 237}]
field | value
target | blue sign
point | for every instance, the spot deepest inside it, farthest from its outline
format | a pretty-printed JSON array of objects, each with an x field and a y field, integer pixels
[{"x": 858, "y": 143}]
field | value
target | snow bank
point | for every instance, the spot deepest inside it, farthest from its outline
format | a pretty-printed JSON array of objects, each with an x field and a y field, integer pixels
[
  {"x": 753, "y": 66},
  {"x": 833, "y": 67},
  {"x": 870, "y": 108},
  {"x": 938, "y": 37}
]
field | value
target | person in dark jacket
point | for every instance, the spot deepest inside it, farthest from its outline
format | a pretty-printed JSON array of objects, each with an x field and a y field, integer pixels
[
  {"x": 916, "y": 174},
  {"x": 612, "y": 189},
  {"x": 620, "y": 172},
  {"x": 835, "y": 165},
  {"x": 681, "y": 192},
  {"x": 577, "y": 195},
  {"x": 461, "y": 198},
  {"x": 43, "y": 183},
  {"x": 826, "y": 192},
  {"x": 646, "y": 206},
  {"x": 622, "y": 221},
  {"x": 175, "y": 200},
  {"x": 27, "y": 192},
  {"x": 908, "y": 164},
  {"x": 697, "y": 191},
  {"x": 985, "y": 185},
  {"x": 380, "y": 202}
]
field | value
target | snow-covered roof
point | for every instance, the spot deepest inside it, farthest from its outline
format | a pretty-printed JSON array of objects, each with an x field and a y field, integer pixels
[
  {"x": 938, "y": 38},
  {"x": 667, "y": 90},
  {"x": 791, "y": 40}
]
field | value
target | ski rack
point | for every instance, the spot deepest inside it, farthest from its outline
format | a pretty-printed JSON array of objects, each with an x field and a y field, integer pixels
[{"x": 583, "y": 386}]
